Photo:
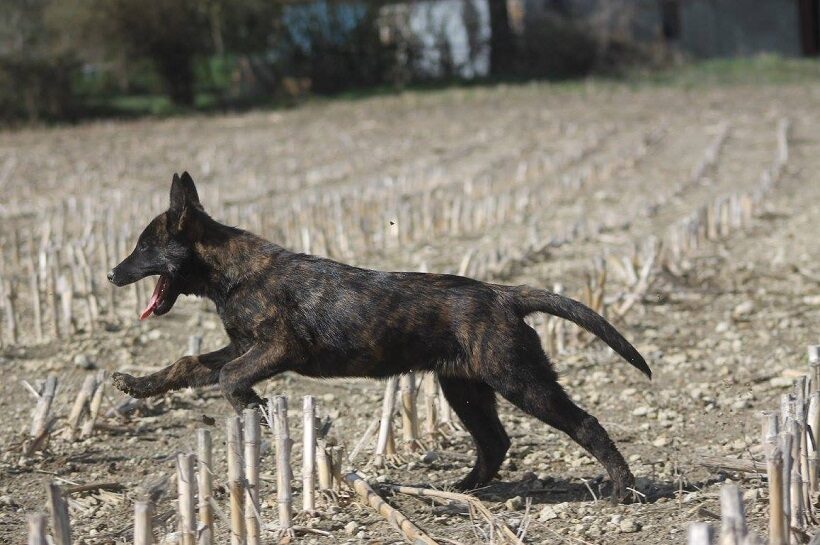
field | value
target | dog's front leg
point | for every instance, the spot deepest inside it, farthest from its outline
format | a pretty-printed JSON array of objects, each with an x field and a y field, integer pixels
[
  {"x": 189, "y": 371},
  {"x": 259, "y": 363}
]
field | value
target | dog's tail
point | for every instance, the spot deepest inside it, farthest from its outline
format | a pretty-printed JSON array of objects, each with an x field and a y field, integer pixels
[{"x": 537, "y": 300}]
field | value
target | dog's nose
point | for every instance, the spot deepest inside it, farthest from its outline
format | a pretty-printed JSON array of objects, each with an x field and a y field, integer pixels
[{"x": 111, "y": 276}]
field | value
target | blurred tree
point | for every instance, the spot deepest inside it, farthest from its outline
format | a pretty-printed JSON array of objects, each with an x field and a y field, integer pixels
[
  {"x": 335, "y": 44},
  {"x": 476, "y": 39},
  {"x": 502, "y": 41},
  {"x": 34, "y": 72},
  {"x": 250, "y": 29},
  {"x": 172, "y": 34}
]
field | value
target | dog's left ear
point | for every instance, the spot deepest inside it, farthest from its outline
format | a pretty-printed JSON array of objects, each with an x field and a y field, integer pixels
[{"x": 184, "y": 200}]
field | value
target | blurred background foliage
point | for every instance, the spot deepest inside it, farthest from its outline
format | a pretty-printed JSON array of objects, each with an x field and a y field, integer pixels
[{"x": 73, "y": 59}]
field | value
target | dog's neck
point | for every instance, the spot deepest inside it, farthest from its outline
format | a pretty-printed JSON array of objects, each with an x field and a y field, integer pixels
[{"x": 227, "y": 257}]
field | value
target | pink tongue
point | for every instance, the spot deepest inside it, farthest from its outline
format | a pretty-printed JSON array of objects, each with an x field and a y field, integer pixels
[{"x": 152, "y": 304}]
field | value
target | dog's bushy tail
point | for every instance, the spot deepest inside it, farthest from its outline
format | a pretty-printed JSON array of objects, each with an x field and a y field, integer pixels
[{"x": 537, "y": 300}]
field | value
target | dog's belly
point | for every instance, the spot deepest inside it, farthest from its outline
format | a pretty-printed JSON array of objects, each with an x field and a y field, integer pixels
[{"x": 377, "y": 362}]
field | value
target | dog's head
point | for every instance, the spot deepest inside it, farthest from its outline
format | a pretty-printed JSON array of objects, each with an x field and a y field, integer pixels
[{"x": 165, "y": 248}]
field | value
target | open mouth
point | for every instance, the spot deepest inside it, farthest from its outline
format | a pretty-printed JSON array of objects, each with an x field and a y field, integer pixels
[{"x": 157, "y": 298}]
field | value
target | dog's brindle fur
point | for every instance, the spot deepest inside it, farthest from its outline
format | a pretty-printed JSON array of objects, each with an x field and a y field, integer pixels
[{"x": 286, "y": 311}]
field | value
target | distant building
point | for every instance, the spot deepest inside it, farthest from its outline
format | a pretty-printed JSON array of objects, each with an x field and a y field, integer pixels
[
  {"x": 702, "y": 28},
  {"x": 449, "y": 37},
  {"x": 722, "y": 28},
  {"x": 437, "y": 38}
]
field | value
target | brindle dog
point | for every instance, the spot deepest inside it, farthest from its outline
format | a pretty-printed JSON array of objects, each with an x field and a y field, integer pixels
[{"x": 285, "y": 311}]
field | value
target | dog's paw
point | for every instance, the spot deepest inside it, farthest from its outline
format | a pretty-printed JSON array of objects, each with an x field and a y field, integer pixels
[
  {"x": 468, "y": 483},
  {"x": 623, "y": 489},
  {"x": 125, "y": 383}
]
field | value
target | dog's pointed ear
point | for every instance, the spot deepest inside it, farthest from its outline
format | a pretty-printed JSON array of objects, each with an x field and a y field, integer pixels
[
  {"x": 183, "y": 193},
  {"x": 184, "y": 200}
]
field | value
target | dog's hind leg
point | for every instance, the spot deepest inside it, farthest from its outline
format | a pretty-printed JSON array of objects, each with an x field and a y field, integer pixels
[
  {"x": 189, "y": 371},
  {"x": 474, "y": 403},
  {"x": 531, "y": 385}
]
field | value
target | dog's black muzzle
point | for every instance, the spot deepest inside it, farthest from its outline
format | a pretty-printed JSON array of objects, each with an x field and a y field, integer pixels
[
  {"x": 120, "y": 278},
  {"x": 129, "y": 271}
]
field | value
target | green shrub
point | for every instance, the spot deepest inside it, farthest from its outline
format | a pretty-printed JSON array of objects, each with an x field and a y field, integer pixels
[
  {"x": 556, "y": 47},
  {"x": 36, "y": 89}
]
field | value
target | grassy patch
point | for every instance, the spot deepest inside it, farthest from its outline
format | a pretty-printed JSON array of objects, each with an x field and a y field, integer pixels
[{"x": 757, "y": 70}]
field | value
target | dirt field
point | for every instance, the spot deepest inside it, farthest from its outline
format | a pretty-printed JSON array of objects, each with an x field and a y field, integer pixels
[{"x": 526, "y": 184}]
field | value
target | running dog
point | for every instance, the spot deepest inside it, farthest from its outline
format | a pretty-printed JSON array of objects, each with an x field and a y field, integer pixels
[{"x": 286, "y": 311}]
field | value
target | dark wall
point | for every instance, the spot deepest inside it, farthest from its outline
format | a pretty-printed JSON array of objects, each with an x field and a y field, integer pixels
[{"x": 723, "y": 28}]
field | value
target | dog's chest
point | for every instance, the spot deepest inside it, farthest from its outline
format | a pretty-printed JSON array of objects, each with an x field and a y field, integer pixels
[{"x": 250, "y": 320}]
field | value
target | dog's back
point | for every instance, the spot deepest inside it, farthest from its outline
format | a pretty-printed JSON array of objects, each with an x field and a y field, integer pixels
[{"x": 359, "y": 322}]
